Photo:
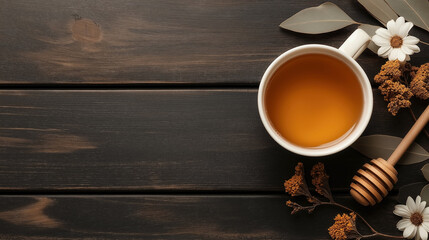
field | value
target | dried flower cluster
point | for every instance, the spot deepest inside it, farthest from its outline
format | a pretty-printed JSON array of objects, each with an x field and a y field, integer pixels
[
  {"x": 420, "y": 83},
  {"x": 344, "y": 226},
  {"x": 296, "y": 185},
  {"x": 320, "y": 180},
  {"x": 395, "y": 87}
]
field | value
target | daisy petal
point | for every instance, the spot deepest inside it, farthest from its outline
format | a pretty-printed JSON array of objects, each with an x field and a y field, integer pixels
[
  {"x": 380, "y": 41},
  {"x": 410, "y": 202},
  {"x": 410, "y": 231},
  {"x": 422, "y": 233},
  {"x": 414, "y": 48},
  {"x": 426, "y": 211},
  {"x": 407, "y": 58},
  {"x": 418, "y": 200},
  {"x": 404, "y": 223},
  {"x": 401, "y": 58},
  {"x": 402, "y": 211},
  {"x": 421, "y": 207},
  {"x": 410, "y": 40},
  {"x": 384, "y": 33},
  {"x": 415, "y": 232},
  {"x": 384, "y": 51},
  {"x": 393, "y": 56},
  {"x": 388, "y": 52},
  {"x": 408, "y": 51},
  {"x": 391, "y": 26},
  {"x": 399, "y": 22},
  {"x": 426, "y": 226},
  {"x": 404, "y": 29}
]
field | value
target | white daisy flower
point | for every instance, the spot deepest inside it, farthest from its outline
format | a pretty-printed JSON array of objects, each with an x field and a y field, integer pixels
[
  {"x": 415, "y": 219},
  {"x": 394, "y": 41}
]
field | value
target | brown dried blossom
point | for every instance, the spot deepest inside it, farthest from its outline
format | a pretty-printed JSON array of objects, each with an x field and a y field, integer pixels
[
  {"x": 420, "y": 83},
  {"x": 392, "y": 85},
  {"x": 394, "y": 78},
  {"x": 397, "y": 94},
  {"x": 391, "y": 70},
  {"x": 344, "y": 227},
  {"x": 296, "y": 185},
  {"x": 320, "y": 180}
]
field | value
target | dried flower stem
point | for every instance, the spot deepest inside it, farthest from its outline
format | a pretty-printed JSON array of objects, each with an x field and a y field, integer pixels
[
  {"x": 415, "y": 120},
  {"x": 345, "y": 224},
  {"x": 375, "y": 232},
  {"x": 357, "y": 214},
  {"x": 424, "y": 42}
]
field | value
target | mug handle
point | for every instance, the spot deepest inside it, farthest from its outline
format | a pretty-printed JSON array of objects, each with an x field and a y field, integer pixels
[{"x": 356, "y": 43}]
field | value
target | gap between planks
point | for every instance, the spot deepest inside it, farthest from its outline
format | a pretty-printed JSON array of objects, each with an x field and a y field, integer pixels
[{"x": 137, "y": 86}]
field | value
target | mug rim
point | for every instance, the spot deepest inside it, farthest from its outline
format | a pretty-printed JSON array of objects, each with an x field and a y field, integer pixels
[{"x": 356, "y": 131}]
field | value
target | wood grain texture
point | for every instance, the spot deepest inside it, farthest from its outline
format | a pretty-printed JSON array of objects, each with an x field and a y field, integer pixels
[
  {"x": 159, "y": 140},
  {"x": 153, "y": 41},
  {"x": 176, "y": 217}
]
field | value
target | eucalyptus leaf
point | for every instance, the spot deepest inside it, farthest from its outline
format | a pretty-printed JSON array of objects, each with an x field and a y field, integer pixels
[
  {"x": 416, "y": 11},
  {"x": 411, "y": 190},
  {"x": 425, "y": 171},
  {"x": 379, "y": 9},
  {"x": 370, "y": 30},
  {"x": 382, "y": 146},
  {"x": 424, "y": 194},
  {"x": 327, "y": 17}
]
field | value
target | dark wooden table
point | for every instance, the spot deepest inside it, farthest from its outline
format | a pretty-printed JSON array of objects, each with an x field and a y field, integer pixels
[{"x": 138, "y": 120}]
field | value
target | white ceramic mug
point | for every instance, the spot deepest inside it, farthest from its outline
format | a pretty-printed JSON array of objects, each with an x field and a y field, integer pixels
[{"x": 350, "y": 50}]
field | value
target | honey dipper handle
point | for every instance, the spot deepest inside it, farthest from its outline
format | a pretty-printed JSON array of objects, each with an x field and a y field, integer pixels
[{"x": 409, "y": 138}]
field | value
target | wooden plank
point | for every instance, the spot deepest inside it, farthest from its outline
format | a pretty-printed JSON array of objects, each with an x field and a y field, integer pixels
[
  {"x": 174, "y": 217},
  {"x": 155, "y": 41},
  {"x": 158, "y": 140}
]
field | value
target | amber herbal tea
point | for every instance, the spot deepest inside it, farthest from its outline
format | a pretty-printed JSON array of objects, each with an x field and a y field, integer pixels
[{"x": 313, "y": 99}]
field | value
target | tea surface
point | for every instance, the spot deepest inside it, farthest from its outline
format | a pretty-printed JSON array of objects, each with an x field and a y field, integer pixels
[{"x": 313, "y": 99}]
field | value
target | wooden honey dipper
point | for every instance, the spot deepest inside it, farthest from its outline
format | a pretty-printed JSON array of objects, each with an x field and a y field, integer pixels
[{"x": 372, "y": 183}]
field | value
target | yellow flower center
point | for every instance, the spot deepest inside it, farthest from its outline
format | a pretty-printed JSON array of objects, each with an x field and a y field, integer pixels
[
  {"x": 416, "y": 219},
  {"x": 396, "y": 41}
]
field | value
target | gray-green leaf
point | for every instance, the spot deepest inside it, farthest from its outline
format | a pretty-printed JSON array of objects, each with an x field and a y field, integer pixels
[
  {"x": 327, "y": 17},
  {"x": 424, "y": 194},
  {"x": 411, "y": 190},
  {"x": 370, "y": 30},
  {"x": 416, "y": 11},
  {"x": 382, "y": 146},
  {"x": 379, "y": 9},
  {"x": 425, "y": 171}
]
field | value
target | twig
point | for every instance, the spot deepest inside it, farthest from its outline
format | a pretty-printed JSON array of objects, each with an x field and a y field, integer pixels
[
  {"x": 375, "y": 233},
  {"x": 424, "y": 42},
  {"x": 297, "y": 186},
  {"x": 357, "y": 214}
]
